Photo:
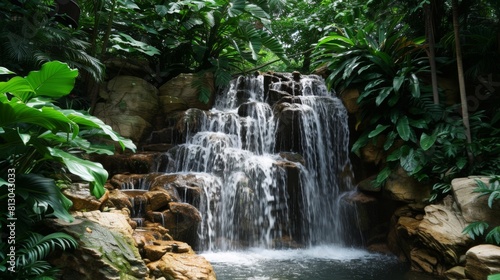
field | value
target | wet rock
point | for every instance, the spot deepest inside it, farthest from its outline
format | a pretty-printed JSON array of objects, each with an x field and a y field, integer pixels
[
  {"x": 481, "y": 261},
  {"x": 182, "y": 220},
  {"x": 183, "y": 264},
  {"x": 139, "y": 163},
  {"x": 473, "y": 206},
  {"x": 349, "y": 97},
  {"x": 158, "y": 199},
  {"x": 106, "y": 246},
  {"x": 83, "y": 200},
  {"x": 154, "y": 252}
]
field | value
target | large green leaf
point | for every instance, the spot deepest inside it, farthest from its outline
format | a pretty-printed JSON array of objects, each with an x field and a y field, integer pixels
[
  {"x": 494, "y": 277},
  {"x": 89, "y": 171},
  {"x": 403, "y": 128},
  {"x": 38, "y": 190},
  {"x": 13, "y": 113},
  {"x": 55, "y": 79},
  {"x": 16, "y": 86},
  {"x": 84, "y": 119}
]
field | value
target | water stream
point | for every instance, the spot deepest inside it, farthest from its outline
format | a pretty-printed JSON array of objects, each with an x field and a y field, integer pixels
[{"x": 275, "y": 166}]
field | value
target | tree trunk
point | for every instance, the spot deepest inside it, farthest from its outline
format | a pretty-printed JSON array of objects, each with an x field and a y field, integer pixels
[
  {"x": 461, "y": 79},
  {"x": 429, "y": 28}
]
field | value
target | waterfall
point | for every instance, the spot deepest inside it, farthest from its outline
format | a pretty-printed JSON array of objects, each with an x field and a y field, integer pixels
[{"x": 273, "y": 153}]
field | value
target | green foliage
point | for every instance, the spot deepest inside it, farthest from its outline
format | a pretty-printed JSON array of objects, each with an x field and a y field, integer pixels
[
  {"x": 494, "y": 277},
  {"x": 39, "y": 140},
  {"x": 31, "y": 35},
  {"x": 38, "y": 131}
]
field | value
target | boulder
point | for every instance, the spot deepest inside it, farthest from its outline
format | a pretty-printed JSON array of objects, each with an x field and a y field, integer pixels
[
  {"x": 182, "y": 92},
  {"x": 181, "y": 263},
  {"x": 83, "y": 200},
  {"x": 473, "y": 206},
  {"x": 442, "y": 231},
  {"x": 182, "y": 220},
  {"x": 129, "y": 107},
  {"x": 455, "y": 273},
  {"x": 401, "y": 187},
  {"x": 481, "y": 261},
  {"x": 105, "y": 245}
]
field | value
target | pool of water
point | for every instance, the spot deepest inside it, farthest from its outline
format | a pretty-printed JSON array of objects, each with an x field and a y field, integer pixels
[{"x": 316, "y": 263}]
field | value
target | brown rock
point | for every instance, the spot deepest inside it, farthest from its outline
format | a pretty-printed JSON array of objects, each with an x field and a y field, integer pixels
[
  {"x": 473, "y": 206},
  {"x": 183, "y": 90},
  {"x": 81, "y": 197},
  {"x": 182, "y": 266},
  {"x": 154, "y": 252},
  {"x": 401, "y": 187},
  {"x": 442, "y": 230},
  {"x": 481, "y": 261}
]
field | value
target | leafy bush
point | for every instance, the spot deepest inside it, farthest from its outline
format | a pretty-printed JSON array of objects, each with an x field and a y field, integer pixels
[{"x": 39, "y": 140}]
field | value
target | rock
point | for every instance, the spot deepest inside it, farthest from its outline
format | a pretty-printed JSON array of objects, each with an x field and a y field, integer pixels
[
  {"x": 473, "y": 206},
  {"x": 455, "y": 273},
  {"x": 442, "y": 231},
  {"x": 105, "y": 245},
  {"x": 158, "y": 200},
  {"x": 401, "y": 187},
  {"x": 424, "y": 261},
  {"x": 481, "y": 261},
  {"x": 182, "y": 265},
  {"x": 368, "y": 186},
  {"x": 81, "y": 197},
  {"x": 139, "y": 163},
  {"x": 349, "y": 97},
  {"x": 182, "y": 92},
  {"x": 182, "y": 220},
  {"x": 130, "y": 106},
  {"x": 154, "y": 252},
  {"x": 119, "y": 199}
]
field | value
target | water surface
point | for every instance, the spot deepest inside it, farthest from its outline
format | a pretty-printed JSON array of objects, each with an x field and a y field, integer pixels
[{"x": 316, "y": 263}]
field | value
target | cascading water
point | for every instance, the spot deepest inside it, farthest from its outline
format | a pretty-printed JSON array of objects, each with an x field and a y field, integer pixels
[{"x": 275, "y": 164}]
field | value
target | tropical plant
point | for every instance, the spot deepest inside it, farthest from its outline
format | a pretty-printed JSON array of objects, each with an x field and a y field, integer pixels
[
  {"x": 31, "y": 34},
  {"x": 39, "y": 140},
  {"x": 385, "y": 66}
]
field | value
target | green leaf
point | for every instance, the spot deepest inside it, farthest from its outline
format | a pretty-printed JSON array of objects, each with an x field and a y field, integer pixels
[
  {"x": 89, "y": 171},
  {"x": 382, "y": 176},
  {"x": 390, "y": 140},
  {"x": 427, "y": 141},
  {"x": 13, "y": 113},
  {"x": 475, "y": 229},
  {"x": 403, "y": 128},
  {"x": 5, "y": 71},
  {"x": 36, "y": 189},
  {"x": 236, "y": 7},
  {"x": 397, "y": 82},
  {"x": 493, "y": 237},
  {"x": 383, "y": 95},
  {"x": 55, "y": 79},
  {"x": 16, "y": 86},
  {"x": 494, "y": 276},
  {"x": 414, "y": 86},
  {"x": 379, "y": 129}
]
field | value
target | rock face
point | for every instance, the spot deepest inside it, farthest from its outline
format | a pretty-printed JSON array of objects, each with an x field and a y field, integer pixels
[
  {"x": 106, "y": 248},
  {"x": 181, "y": 93},
  {"x": 129, "y": 106},
  {"x": 472, "y": 205},
  {"x": 481, "y": 261}
]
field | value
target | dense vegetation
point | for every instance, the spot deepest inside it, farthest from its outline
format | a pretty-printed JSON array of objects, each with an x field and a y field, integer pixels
[{"x": 401, "y": 56}]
